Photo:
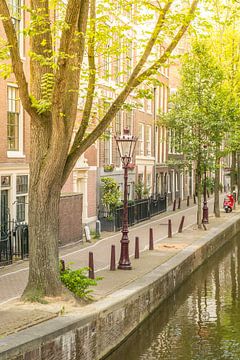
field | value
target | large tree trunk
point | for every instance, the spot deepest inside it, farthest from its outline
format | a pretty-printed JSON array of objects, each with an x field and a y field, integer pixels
[
  {"x": 216, "y": 187},
  {"x": 43, "y": 234},
  {"x": 44, "y": 197}
]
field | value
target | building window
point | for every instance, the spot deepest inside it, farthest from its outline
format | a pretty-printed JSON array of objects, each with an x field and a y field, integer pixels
[
  {"x": 13, "y": 118},
  {"x": 22, "y": 184},
  {"x": 21, "y": 199},
  {"x": 129, "y": 57},
  {"x": 107, "y": 147},
  {"x": 149, "y": 106},
  {"x": 128, "y": 120},
  {"x": 148, "y": 140},
  {"x": 15, "y": 8},
  {"x": 118, "y": 123},
  {"x": 5, "y": 181},
  {"x": 21, "y": 208},
  {"x": 141, "y": 138},
  {"x": 106, "y": 63},
  {"x": 149, "y": 182}
]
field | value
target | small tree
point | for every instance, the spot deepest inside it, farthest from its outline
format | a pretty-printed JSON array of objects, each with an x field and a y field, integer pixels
[
  {"x": 141, "y": 190},
  {"x": 197, "y": 115},
  {"x": 110, "y": 194}
]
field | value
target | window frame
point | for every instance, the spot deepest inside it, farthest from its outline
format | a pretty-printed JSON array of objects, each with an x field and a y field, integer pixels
[{"x": 15, "y": 108}]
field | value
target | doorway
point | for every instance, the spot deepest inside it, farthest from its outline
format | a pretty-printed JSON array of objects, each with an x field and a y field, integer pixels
[{"x": 4, "y": 211}]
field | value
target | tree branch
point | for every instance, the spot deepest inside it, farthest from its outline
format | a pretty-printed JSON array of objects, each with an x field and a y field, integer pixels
[
  {"x": 41, "y": 45},
  {"x": 152, "y": 70},
  {"x": 15, "y": 57},
  {"x": 74, "y": 152},
  {"x": 66, "y": 48},
  {"x": 92, "y": 76},
  {"x": 132, "y": 83}
]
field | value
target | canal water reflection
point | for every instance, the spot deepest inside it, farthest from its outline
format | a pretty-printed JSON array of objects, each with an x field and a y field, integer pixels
[{"x": 201, "y": 321}]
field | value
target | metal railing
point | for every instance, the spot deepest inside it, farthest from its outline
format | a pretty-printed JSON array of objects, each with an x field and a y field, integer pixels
[
  {"x": 138, "y": 211},
  {"x": 14, "y": 242}
]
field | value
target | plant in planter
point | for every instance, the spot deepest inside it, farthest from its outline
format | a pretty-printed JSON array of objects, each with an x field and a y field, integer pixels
[
  {"x": 139, "y": 187},
  {"x": 141, "y": 190},
  {"x": 108, "y": 168},
  {"x": 131, "y": 166},
  {"x": 110, "y": 195}
]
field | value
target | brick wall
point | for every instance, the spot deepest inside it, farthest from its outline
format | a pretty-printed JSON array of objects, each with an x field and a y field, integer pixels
[
  {"x": 92, "y": 175},
  {"x": 70, "y": 218}
]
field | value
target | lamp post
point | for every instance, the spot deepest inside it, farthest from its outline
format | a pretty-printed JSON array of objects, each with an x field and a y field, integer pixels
[
  {"x": 126, "y": 145},
  {"x": 205, "y": 207}
]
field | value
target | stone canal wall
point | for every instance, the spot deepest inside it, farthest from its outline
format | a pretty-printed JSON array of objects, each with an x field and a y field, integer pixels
[{"x": 104, "y": 324}]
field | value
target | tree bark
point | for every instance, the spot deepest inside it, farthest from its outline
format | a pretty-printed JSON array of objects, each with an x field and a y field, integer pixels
[
  {"x": 43, "y": 234},
  {"x": 44, "y": 198},
  {"x": 199, "y": 195},
  {"x": 233, "y": 171},
  {"x": 216, "y": 187}
]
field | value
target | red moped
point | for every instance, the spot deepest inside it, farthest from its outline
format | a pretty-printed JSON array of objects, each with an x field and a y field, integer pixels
[{"x": 228, "y": 203}]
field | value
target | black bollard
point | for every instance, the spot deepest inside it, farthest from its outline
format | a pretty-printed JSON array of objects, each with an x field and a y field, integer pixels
[
  {"x": 179, "y": 203},
  {"x": 174, "y": 205},
  {"x": 181, "y": 225},
  {"x": 169, "y": 228},
  {"x": 113, "y": 259},
  {"x": 136, "y": 247},
  {"x": 194, "y": 199},
  {"x": 188, "y": 200},
  {"x": 151, "y": 247},
  {"x": 63, "y": 267},
  {"x": 91, "y": 266}
]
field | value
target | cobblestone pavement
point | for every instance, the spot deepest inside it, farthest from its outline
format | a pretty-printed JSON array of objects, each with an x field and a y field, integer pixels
[{"x": 14, "y": 277}]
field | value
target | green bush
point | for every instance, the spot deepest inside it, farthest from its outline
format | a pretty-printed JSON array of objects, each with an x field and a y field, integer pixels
[
  {"x": 110, "y": 194},
  {"x": 78, "y": 282}
]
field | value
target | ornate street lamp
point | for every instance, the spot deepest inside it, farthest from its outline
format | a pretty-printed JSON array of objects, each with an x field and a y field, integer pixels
[
  {"x": 126, "y": 144},
  {"x": 205, "y": 207}
]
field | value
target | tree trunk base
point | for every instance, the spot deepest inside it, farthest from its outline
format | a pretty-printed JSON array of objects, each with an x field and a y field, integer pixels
[{"x": 33, "y": 294}]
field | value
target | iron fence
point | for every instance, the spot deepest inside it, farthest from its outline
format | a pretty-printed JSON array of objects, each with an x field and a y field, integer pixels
[
  {"x": 138, "y": 211},
  {"x": 14, "y": 243}
]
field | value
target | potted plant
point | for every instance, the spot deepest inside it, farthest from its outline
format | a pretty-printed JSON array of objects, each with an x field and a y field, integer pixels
[
  {"x": 131, "y": 166},
  {"x": 110, "y": 200},
  {"x": 108, "y": 167}
]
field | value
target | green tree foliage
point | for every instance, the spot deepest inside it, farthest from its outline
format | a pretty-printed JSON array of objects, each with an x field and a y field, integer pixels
[
  {"x": 198, "y": 112},
  {"x": 110, "y": 194},
  {"x": 75, "y": 90}
]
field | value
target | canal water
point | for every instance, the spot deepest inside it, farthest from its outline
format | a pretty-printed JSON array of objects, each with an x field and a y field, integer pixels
[{"x": 201, "y": 321}]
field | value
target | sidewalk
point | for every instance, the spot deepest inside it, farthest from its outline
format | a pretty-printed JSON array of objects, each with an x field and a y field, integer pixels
[
  {"x": 13, "y": 278},
  {"x": 16, "y": 316}
]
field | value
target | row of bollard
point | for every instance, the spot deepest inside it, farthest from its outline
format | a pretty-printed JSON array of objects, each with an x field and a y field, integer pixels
[
  {"x": 179, "y": 202},
  {"x": 137, "y": 251}
]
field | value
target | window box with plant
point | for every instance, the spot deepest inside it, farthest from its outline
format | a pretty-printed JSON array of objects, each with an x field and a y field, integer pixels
[
  {"x": 108, "y": 168},
  {"x": 131, "y": 166}
]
